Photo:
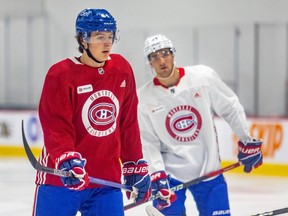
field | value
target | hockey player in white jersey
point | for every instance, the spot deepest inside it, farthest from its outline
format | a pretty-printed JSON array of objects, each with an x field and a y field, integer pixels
[{"x": 178, "y": 133}]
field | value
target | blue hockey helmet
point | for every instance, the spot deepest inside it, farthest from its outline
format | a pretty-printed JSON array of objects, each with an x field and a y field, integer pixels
[{"x": 99, "y": 20}]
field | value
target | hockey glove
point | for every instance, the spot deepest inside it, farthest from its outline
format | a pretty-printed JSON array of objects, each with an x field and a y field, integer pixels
[
  {"x": 161, "y": 189},
  {"x": 74, "y": 163},
  {"x": 136, "y": 175},
  {"x": 250, "y": 154}
]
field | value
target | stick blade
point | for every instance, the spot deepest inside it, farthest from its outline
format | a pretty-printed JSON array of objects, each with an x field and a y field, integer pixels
[
  {"x": 152, "y": 211},
  {"x": 28, "y": 151},
  {"x": 34, "y": 162}
]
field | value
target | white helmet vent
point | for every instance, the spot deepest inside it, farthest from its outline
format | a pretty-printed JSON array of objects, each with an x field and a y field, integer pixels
[{"x": 157, "y": 42}]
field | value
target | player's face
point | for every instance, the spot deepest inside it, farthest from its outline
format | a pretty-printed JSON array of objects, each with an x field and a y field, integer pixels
[
  {"x": 162, "y": 61},
  {"x": 100, "y": 44}
]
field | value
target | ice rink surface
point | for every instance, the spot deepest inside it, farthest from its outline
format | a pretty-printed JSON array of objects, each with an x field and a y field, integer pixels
[{"x": 249, "y": 194}]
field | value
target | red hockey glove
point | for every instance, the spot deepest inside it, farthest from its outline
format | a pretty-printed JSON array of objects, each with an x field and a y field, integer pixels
[
  {"x": 250, "y": 154},
  {"x": 74, "y": 163},
  {"x": 136, "y": 175},
  {"x": 161, "y": 188}
]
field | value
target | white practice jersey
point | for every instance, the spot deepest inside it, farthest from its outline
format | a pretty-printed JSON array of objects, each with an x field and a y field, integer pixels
[{"x": 177, "y": 127}]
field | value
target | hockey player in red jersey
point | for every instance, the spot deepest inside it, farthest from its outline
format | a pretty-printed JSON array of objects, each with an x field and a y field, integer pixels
[
  {"x": 178, "y": 134},
  {"x": 88, "y": 112}
]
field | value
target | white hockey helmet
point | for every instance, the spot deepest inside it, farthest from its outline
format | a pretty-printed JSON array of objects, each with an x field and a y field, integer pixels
[{"x": 157, "y": 42}]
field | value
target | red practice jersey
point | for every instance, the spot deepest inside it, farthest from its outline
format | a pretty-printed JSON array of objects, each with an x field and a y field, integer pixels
[{"x": 92, "y": 111}]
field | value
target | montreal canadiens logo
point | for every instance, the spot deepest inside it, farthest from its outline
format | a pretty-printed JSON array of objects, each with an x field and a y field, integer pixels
[
  {"x": 100, "y": 112},
  {"x": 183, "y": 123}
]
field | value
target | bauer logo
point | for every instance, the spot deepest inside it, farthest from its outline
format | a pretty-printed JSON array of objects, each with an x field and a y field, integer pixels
[
  {"x": 221, "y": 212},
  {"x": 84, "y": 89},
  {"x": 134, "y": 170},
  {"x": 271, "y": 133}
]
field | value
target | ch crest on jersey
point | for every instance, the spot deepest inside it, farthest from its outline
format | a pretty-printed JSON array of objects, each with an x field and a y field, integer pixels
[
  {"x": 100, "y": 112},
  {"x": 183, "y": 123}
]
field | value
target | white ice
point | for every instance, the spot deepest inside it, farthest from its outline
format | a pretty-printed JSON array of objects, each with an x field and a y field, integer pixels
[{"x": 249, "y": 194}]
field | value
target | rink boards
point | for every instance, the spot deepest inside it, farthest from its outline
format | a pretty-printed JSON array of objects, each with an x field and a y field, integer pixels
[{"x": 273, "y": 132}]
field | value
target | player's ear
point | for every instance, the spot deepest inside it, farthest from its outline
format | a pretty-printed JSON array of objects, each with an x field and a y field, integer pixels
[
  {"x": 82, "y": 42},
  {"x": 85, "y": 45}
]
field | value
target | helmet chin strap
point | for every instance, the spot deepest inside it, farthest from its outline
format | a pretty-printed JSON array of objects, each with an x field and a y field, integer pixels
[{"x": 90, "y": 55}]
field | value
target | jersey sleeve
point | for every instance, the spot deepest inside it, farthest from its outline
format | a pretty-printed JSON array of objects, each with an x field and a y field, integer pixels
[
  {"x": 151, "y": 143},
  {"x": 226, "y": 104},
  {"x": 55, "y": 113}
]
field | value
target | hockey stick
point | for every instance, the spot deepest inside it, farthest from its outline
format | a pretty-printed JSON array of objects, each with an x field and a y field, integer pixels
[
  {"x": 189, "y": 183},
  {"x": 62, "y": 173},
  {"x": 152, "y": 211},
  {"x": 275, "y": 212}
]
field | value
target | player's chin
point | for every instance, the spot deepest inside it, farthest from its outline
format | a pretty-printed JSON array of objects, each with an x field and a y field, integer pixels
[
  {"x": 165, "y": 75},
  {"x": 105, "y": 56}
]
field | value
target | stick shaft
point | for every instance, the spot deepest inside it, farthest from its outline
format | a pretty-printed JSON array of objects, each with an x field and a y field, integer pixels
[
  {"x": 39, "y": 167},
  {"x": 274, "y": 212},
  {"x": 189, "y": 183}
]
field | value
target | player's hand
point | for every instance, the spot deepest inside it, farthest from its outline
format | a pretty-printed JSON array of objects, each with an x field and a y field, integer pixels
[
  {"x": 136, "y": 175},
  {"x": 73, "y": 163},
  {"x": 161, "y": 189},
  {"x": 250, "y": 154}
]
